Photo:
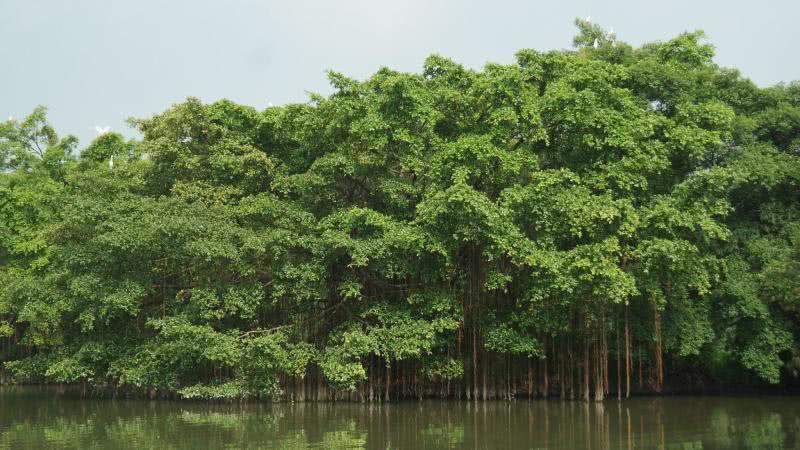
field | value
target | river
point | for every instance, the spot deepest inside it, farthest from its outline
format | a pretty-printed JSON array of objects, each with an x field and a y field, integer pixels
[{"x": 37, "y": 418}]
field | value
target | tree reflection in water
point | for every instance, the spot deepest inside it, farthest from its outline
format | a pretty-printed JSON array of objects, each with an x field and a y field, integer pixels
[{"x": 34, "y": 418}]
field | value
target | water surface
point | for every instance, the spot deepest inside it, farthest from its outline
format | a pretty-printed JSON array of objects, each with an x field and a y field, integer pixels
[{"x": 40, "y": 418}]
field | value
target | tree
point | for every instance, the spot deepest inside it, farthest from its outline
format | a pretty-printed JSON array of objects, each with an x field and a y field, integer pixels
[{"x": 534, "y": 228}]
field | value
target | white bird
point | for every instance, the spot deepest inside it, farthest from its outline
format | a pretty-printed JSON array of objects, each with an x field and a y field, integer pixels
[
  {"x": 111, "y": 163},
  {"x": 101, "y": 130},
  {"x": 610, "y": 34},
  {"x": 596, "y": 44},
  {"x": 588, "y": 19}
]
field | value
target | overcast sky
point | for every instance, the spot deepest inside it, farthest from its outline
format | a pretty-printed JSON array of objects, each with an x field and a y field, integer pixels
[{"x": 99, "y": 62}]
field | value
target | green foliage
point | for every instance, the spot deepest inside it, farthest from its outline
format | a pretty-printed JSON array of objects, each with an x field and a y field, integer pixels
[
  {"x": 443, "y": 368},
  {"x": 504, "y": 339},
  {"x": 434, "y": 222},
  {"x": 223, "y": 391}
]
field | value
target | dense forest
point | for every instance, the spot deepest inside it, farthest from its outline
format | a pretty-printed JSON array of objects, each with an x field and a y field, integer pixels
[{"x": 586, "y": 223}]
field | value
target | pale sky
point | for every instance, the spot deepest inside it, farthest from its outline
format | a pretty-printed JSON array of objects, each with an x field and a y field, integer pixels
[{"x": 98, "y": 62}]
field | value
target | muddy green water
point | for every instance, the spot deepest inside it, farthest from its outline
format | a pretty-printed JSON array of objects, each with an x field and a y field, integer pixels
[{"x": 37, "y": 418}]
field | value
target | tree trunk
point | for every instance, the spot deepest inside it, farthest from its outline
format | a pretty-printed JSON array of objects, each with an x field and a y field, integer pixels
[
  {"x": 530, "y": 379},
  {"x": 659, "y": 354},
  {"x": 388, "y": 378},
  {"x": 474, "y": 362},
  {"x": 628, "y": 362},
  {"x": 619, "y": 369},
  {"x": 599, "y": 388},
  {"x": 545, "y": 379},
  {"x": 586, "y": 370},
  {"x": 641, "y": 377}
]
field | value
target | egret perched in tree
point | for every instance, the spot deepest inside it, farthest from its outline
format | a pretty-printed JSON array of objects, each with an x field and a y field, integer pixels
[
  {"x": 101, "y": 130},
  {"x": 596, "y": 43},
  {"x": 588, "y": 19},
  {"x": 111, "y": 163}
]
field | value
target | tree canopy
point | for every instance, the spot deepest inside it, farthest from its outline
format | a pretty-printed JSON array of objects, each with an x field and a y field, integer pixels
[{"x": 581, "y": 222}]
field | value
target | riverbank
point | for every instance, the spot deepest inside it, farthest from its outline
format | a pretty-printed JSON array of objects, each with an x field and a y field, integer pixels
[{"x": 90, "y": 391}]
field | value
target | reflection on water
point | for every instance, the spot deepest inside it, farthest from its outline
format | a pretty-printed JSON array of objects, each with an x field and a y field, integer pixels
[{"x": 32, "y": 418}]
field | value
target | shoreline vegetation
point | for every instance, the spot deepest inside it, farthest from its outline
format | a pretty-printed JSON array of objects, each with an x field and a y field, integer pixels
[{"x": 582, "y": 224}]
